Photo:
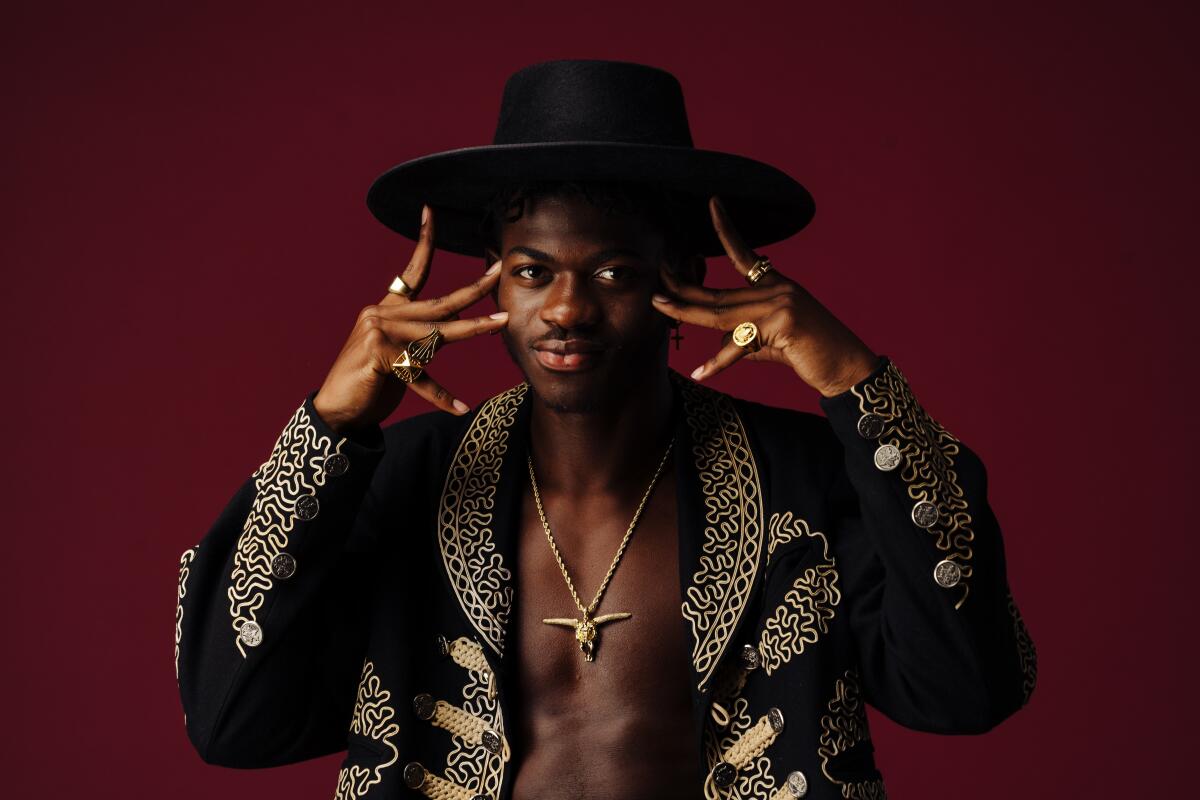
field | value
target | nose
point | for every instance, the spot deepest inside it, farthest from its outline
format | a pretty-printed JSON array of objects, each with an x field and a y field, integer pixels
[{"x": 570, "y": 303}]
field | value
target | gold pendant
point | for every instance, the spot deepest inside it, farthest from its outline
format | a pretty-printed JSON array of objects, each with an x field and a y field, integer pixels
[{"x": 587, "y": 630}]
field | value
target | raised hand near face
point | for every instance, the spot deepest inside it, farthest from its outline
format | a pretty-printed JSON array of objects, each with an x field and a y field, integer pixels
[
  {"x": 361, "y": 388},
  {"x": 793, "y": 327}
]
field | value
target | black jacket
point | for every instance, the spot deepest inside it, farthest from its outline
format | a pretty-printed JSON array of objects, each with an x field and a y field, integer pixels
[{"x": 355, "y": 595}]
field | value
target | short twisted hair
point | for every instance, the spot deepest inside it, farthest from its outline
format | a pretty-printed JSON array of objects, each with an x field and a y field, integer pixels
[{"x": 661, "y": 208}]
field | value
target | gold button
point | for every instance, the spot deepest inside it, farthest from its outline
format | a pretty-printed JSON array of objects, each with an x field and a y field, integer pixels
[
  {"x": 947, "y": 573},
  {"x": 887, "y": 457},
  {"x": 250, "y": 634}
]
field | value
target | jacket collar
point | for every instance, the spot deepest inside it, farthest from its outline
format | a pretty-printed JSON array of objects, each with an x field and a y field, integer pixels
[{"x": 720, "y": 512}]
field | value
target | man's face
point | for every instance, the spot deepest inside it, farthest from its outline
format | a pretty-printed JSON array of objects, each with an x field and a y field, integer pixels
[{"x": 576, "y": 284}]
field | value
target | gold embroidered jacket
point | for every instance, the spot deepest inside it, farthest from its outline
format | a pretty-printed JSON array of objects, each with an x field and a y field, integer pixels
[{"x": 355, "y": 593}]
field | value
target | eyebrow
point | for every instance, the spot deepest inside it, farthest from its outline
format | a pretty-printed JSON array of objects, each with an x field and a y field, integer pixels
[{"x": 603, "y": 255}]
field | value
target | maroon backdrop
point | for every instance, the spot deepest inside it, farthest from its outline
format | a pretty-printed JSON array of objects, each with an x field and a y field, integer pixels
[{"x": 1005, "y": 205}]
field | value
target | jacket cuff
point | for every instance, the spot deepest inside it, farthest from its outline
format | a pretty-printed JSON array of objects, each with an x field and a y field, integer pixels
[
  {"x": 307, "y": 494},
  {"x": 885, "y": 430}
]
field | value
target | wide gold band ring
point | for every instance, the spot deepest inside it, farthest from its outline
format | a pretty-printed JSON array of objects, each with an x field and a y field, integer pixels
[
  {"x": 746, "y": 335},
  {"x": 400, "y": 287},
  {"x": 414, "y": 358}
]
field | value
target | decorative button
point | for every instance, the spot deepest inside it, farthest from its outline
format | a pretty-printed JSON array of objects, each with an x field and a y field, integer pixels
[
  {"x": 480, "y": 797},
  {"x": 925, "y": 514},
  {"x": 443, "y": 646},
  {"x": 797, "y": 784},
  {"x": 887, "y": 457},
  {"x": 414, "y": 775},
  {"x": 250, "y": 634},
  {"x": 423, "y": 705},
  {"x": 491, "y": 741},
  {"x": 306, "y": 506},
  {"x": 750, "y": 658},
  {"x": 283, "y": 566},
  {"x": 775, "y": 717},
  {"x": 724, "y": 774},
  {"x": 336, "y": 464},
  {"x": 947, "y": 573},
  {"x": 870, "y": 426}
]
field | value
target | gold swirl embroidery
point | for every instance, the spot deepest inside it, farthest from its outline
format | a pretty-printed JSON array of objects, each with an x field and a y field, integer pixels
[
  {"x": 471, "y": 764},
  {"x": 294, "y": 469},
  {"x": 1025, "y": 650},
  {"x": 807, "y": 607},
  {"x": 733, "y": 534},
  {"x": 927, "y": 469},
  {"x": 481, "y": 582},
  {"x": 843, "y": 727},
  {"x": 374, "y": 719},
  {"x": 184, "y": 561}
]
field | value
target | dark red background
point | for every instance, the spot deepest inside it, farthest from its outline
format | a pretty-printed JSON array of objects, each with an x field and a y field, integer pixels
[{"x": 1005, "y": 205}]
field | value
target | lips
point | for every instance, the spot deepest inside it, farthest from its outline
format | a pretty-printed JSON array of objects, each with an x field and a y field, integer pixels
[{"x": 572, "y": 355}]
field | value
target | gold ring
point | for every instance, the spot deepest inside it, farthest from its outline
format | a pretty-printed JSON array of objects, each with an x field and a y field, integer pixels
[
  {"x": 414, "y": 358},
  {"x": 760, "y": 268},
  {"x": 746, "y": 335},
  {"x": 400, "y": 287}
]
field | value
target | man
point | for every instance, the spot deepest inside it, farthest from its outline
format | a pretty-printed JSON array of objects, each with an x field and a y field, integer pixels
[{"x": 609, "y": 580}]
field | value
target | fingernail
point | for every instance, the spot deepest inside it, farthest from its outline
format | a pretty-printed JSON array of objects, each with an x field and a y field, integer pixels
[
  {"x": 697, "y": 372},
  {"x": 499, "y": 315},
  {"x": 460, "y": 405},
  {"x": 424, "y": 214},
  {"x": 661, "y": 298},
  {"x": 493, "y": 269}
]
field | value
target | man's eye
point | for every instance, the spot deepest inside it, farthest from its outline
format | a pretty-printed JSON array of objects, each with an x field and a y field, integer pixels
[
  {"x": 533, "y": 267},
  {"x": 616, "y": 273}
]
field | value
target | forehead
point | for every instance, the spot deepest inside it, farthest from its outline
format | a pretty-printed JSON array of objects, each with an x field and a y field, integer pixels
[{"x": 563, "y": 225}]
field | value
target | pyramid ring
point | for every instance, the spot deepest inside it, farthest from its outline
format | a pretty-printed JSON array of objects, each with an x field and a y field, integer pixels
[
  {"x": 746, "y": 335},
  {"x": 400, "y": 287},
  {"x": 413, "y": 359}
]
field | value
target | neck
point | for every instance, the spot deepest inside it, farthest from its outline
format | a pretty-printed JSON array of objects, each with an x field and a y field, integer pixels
[{"x": 613, "y": 451}]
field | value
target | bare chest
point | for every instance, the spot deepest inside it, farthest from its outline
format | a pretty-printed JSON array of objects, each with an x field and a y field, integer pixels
[{"x": 631, "y": 704}]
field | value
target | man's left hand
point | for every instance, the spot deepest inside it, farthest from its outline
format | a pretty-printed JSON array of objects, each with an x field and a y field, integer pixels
[{"x": 793, "y": 327}]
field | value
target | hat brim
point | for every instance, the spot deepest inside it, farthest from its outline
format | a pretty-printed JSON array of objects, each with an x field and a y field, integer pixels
[{"x": 765, "y": 204}]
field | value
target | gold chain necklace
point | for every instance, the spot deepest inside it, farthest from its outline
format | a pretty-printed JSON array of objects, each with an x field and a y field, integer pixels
[{"x": 586, "y": 631}]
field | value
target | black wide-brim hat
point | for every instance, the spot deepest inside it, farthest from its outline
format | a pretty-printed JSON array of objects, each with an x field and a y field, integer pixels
[{"x": 585, "y": 120}]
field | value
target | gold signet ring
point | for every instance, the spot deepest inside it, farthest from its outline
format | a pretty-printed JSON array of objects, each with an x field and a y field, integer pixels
[{"x": 746, "y": 335}]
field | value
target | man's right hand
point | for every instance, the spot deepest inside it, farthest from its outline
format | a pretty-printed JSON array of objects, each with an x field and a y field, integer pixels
[{"x": 361, "y": 390}]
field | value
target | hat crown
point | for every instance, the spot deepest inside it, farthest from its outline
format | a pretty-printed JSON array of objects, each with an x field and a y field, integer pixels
[{"x": 592, "y": 100}]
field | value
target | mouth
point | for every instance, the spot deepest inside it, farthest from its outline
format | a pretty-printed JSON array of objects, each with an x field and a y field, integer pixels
[{"x": 573, "y": 355}]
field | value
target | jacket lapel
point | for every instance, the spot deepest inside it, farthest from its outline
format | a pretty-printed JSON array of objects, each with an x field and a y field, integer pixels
[
  {"x": 721, "y": 526},
  {"x": 719, "y": 506}
]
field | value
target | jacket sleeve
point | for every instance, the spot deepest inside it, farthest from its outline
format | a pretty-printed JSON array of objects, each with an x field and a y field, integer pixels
[
  {"x": 272, "y": 616},
  {"x": 941, "y": 643}
]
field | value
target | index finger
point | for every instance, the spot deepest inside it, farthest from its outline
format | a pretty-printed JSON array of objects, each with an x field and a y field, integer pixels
[
  {"x": 417, "y": 271},
  {"x": 452, "y": 303},
  {"x": 740, "y": 254}
]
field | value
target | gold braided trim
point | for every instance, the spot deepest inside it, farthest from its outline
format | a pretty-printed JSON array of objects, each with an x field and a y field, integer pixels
[
  {"x": 733, "y": 531},
  {"x": 437, "y": 787},
  {"x": 373, "y": 718},
  {"x": 465, "y": 726},
  {"x": 744, "y": 748},
  {"x": 843, "y": 727},
  {"x": 468, "y": 654},
  {"x": 927, "y": 468},
  {"x": 808, "y": 606},
  {"x": 295, "y": 469},
  {"x": 469, "y": 763},
  {"x": 482, "y": 584},
  {"x": 1025, "y": 650}
]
